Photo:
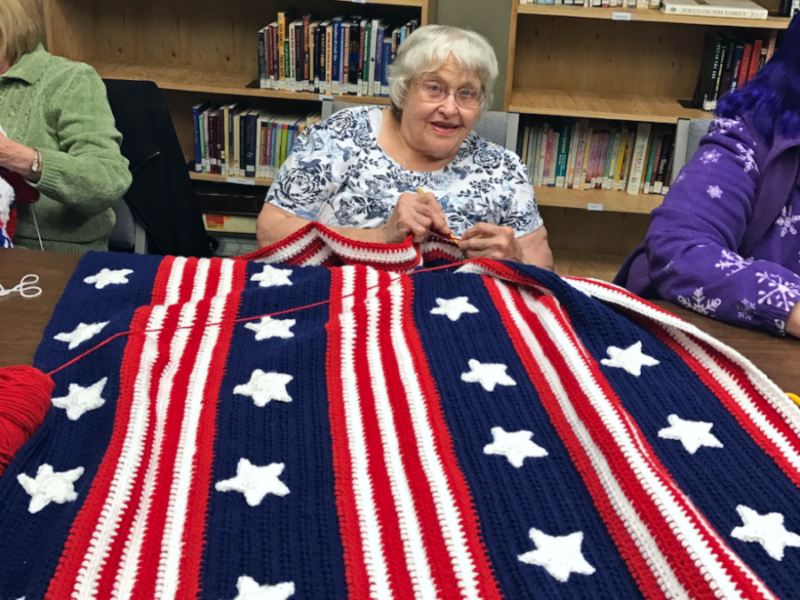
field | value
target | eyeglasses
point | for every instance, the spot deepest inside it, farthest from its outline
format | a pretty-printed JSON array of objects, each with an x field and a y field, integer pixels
[{"x": 433, "y": 91}]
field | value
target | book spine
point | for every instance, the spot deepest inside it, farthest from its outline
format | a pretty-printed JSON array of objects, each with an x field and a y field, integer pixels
[
  {"x": 291, "y": 79},
  {"x": 638, "y": 157},
  {"x": 262, "y": 62},
  {"x": 709, "y": 94},
  {"x": 250, "y": 148},
  {"x": 281, "y": 49},
  {"x": 755, "y": 59},
  {"x": 336, "y": 55},
  {"x": 715, "y": 11},
  {"x": 661, "y": 164},
  {"x": 306, "y": 78},
  {"x": 329, "y": 58},
  {"x": 744, "y": 66},
  {"x": 345, "y": 76},
  {"x": 355, "y": 41},
  {"x": 274, "y": 76},
  {"x": 561, "y": 170}
]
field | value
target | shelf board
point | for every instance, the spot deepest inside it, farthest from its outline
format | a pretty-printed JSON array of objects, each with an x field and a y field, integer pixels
[
  {"x": 621, "y": 107},
  {"x": 190, "y": 79},
  {"x": 647, "y": 15},
  {"x": 415, "y": 3},
  {"x": 214, "y": 177},
  {"x": 597, "y": 200}
]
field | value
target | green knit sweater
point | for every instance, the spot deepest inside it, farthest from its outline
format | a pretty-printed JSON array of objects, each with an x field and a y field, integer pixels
[{"x": 60, "y": 108}]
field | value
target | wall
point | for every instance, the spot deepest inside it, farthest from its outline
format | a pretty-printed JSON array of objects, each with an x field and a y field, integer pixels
[{"x": 489, "y": 18}]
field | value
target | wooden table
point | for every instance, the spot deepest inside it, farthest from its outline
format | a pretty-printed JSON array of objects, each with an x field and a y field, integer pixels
[{"x": 22, "y": 321}]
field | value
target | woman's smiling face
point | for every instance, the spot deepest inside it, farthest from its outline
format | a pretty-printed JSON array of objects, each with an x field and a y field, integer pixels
[{"x": 435, "y": 126}]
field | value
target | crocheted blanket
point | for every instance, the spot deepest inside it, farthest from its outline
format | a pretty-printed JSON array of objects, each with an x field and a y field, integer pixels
[{"x": 476, "y": 431}]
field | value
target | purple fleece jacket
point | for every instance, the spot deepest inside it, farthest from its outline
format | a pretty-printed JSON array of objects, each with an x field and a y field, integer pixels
[{"x": 692, "y": 254}]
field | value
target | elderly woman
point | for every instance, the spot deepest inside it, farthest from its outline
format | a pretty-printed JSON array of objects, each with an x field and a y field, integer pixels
[
  {"x": 416, "y": 168},
  {"x": 60, "y": 137},
  {"x": 726, "y": 241}
]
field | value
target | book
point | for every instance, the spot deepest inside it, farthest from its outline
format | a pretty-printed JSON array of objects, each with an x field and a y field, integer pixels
[
  {"x": 639, "y": 157},
  {"x": 732, "y": 9},
  {"x": 229, "y": 223},
  {"x": 681, "y": 148}
]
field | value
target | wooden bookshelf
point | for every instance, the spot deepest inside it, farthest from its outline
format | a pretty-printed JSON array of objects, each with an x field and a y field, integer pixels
[
  {"x": 648, "y": 15},
  {"x": 187, "y": 79},
  {"x": 638, "y": 65},
  {"x": 418, "y": 3},
  {"x": 597, "y": 200},
  {"x": 597, "y": 105},
  {"x": 216, "y": 178},
  {"x": 197, "y": 49}
]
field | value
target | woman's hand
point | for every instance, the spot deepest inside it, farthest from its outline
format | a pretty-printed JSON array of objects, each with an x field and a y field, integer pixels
[
  {"x": 15, "y": 156},
  {"x": 416, "y": 215},
  {"x": 793, "y": 322},
  {"x": 491, "y": 241}
]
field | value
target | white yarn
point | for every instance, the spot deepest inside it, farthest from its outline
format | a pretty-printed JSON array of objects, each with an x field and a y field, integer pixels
[{"x": 26, "y": 287}]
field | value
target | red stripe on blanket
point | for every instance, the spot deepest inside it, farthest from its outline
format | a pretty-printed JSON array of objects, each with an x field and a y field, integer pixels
[
  {"x": 79, "y": 538},
  {"x": 456, "y": 482},
  {"x": 435, "y": 545},
  {"x": 689, "y": 568},
  {"x": 732, "y": 405},
  {"x": 193, "y": 537},
  {"x": 680, "y": 552},
  {"x": 391, "y": 538},
  {"x": 352, "y": 547},
  {"x": 636, "y": 562}
]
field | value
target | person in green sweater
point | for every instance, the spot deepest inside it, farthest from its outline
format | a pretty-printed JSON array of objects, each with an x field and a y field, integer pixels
[{"x": 60, "y": 135}]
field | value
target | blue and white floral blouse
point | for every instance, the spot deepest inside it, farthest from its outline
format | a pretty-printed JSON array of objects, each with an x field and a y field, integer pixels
[{"x": 338, "y": 175}]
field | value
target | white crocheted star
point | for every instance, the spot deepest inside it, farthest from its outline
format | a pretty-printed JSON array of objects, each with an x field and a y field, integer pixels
[
  {"x": 767, "y": 529},
  {"x": 50, "y": 486},
  {"x": 516, "y": 446},
  {"x": 83, "y": 332},
  {"x": 80, "y": 400},
  {"x": 108, "y": 277},
  {"x": 454, "y": 307},
  {"x": 265, "y": 387},
  {"x": 559, "y": 555},
  {"x": 255, "y": 482},
  {"x": 249, "y": 589},
  {"x": 267, "y": 327},
  {"x": 692, "y": 434},
  {"x": 632, "y": 359},
  {"x": 488, "y": 375},
  {"x": 272, "y": 276}
]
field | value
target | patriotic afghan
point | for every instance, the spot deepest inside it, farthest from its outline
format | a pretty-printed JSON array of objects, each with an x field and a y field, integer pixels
[{"x": 484, "y": 431}]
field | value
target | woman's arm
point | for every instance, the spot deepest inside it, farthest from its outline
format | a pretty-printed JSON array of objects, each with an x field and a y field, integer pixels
[
  {"x": 693, "y": 241},
  {"x": 87, "y": 172},
  {"x": 414, "y": 215}
]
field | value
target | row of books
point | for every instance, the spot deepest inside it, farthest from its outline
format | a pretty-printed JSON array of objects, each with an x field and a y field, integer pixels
[
  {"x": 742, "y": 9},
  {"x": 238, "y": 141},
  {"x": 583, "y": 154},
  {"x": 342, "y": 55},
  {"x": 597, "y": 3},
  {"x": 730, "y": 59}
]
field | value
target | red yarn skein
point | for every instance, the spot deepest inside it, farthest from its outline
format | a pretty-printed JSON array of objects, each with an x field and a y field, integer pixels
[{"x": 24, "y": 401}]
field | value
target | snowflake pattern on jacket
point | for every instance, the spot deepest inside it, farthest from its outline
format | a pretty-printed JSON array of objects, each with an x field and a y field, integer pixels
[
  {"x": 338, "y": 175},
  {"x": 694, "y": 237}
]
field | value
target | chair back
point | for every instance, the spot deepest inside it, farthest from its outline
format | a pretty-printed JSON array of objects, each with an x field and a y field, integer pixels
[{"x": 494, "y": 125}]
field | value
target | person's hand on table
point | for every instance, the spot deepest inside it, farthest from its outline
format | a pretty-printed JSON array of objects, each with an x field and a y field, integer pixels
[
  {"x": 491, "y": 241},
  {"x": 415, "y": 214}
]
